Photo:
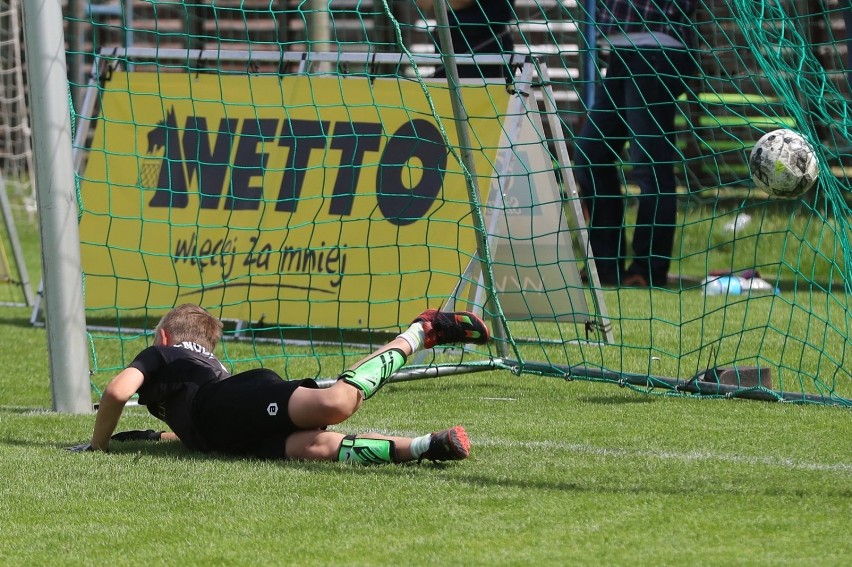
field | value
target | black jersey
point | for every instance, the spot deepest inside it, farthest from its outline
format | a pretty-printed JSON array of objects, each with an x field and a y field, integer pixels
[
  {"x": 173, "y": 375},
  {"x": 483, "y": 29}
]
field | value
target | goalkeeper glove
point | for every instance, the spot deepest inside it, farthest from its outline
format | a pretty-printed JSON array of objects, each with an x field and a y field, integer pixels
[{"x": 138, "y": 435}]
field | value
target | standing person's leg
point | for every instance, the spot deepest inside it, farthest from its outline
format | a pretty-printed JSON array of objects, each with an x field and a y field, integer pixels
[
  {"x": 652, "y": 102},
  {"x": 597, "y": 150},
  {"x": 847, "y": 17}
]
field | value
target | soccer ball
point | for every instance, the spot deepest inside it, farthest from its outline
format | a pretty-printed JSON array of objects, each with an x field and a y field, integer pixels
[{"x": 783, "y": 164}]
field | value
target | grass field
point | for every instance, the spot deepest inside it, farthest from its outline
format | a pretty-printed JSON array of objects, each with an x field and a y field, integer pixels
[{"x": 561, "y": 473}]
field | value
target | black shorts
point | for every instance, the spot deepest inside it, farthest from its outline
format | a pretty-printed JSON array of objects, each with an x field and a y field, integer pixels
[{"x": 246, "y": 414}]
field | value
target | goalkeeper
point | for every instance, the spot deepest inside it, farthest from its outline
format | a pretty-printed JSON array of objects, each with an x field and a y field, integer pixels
[{"x": 258, "y": 414}]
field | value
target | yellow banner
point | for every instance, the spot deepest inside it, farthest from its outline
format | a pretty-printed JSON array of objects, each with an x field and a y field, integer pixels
[{"x": 304, "y": 201}]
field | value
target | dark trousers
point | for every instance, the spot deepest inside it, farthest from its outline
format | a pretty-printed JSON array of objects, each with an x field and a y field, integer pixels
[
  {"x": 636, "y": 102},
  {"x": 847, "y": 17}
]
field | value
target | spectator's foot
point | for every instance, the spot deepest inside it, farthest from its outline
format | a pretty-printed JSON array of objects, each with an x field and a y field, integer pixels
[
  {"x": 635, "y": 280},
  {"x": 604, "y": 279}
]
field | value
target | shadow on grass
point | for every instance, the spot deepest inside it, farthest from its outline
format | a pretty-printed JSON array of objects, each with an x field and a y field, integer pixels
[
  {"x": 638, "y": 487},
  {"x": 617, "y": 400},
  {"x": 175, "y": 451},
  {"x": 23, "y": 409},
  {"x": 22, "y": 322},
  {"x": 170, "y": 450}
]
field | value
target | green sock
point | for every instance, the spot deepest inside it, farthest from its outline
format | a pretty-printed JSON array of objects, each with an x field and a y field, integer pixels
[{"x": 374, "y": 372}]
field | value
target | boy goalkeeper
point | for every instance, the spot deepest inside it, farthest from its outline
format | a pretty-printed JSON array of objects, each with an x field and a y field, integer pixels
[{"x": 258, "y": 414}]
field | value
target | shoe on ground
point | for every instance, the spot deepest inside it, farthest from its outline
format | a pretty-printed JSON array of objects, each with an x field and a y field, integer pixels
[
  {"x": 635, "y": 280},
  {"x": 604, "y": 279},
  {"x": 441, "y": 328},
  {"x": 449, "y": 445}
]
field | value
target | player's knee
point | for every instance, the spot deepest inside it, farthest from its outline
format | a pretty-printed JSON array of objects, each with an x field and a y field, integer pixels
[
  {"x": 319, "y": 451},
  {"x": 339, "y": 402},
  {"x": 317, "y": 448}
]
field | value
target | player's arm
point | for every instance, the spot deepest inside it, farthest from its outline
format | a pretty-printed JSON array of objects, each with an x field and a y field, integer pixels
[{"x": 115, "y": 396}]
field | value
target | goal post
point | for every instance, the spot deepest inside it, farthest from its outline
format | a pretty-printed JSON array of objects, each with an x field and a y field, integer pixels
[{"x": 58, "y": 215}]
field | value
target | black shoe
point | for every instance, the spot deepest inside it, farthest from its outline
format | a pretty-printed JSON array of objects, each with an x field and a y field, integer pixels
[
  {"x": 604, "y": 279},
  {"x": 635, "y": 280}
]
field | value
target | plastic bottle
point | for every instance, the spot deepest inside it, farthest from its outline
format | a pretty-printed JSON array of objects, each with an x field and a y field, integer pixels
[{"x": 722, "y": 285}]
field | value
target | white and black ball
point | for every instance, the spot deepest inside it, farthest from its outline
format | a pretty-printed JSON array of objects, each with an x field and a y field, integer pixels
[{"x": 784, "y": 164}]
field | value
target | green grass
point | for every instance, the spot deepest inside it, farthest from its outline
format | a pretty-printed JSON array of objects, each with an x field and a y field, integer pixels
[
  {"x": 562, "y": 473},
  {"x": 784, "y": 242}
]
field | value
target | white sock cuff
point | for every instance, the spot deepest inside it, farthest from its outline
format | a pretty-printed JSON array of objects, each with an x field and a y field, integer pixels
[
  {"x": 420, "y": 445},
  {"x": 414, "y": 336}
]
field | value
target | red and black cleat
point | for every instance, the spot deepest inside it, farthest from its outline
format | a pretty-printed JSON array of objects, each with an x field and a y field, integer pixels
[
  {"x": 442, "y": 328},
  {"x": 449, "y": 445}
]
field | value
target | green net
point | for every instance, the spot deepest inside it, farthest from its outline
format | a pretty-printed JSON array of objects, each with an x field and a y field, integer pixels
[
  {"x": 306, "y": 171},
  {"x": 15, "y": 157}
]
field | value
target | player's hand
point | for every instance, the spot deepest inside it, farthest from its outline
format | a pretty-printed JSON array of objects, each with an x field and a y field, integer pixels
[
  {"x": 138, "y": 435},
  {"x": 83, "y": 448}
]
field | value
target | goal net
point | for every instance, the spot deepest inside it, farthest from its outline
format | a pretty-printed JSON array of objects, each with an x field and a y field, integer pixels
[
  {"x": 295, "y": 168},
  {"x": 15, "y": 158},
  {"x": 15, "y": 151}
]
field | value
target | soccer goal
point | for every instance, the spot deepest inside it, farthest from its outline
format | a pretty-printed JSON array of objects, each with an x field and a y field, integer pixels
[
  {"x": 318, "y": 191},
  {"x": 297, "y": 205}
]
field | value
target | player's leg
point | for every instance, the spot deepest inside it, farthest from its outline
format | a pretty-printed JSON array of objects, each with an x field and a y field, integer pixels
[
  {"x": 310, "y": 409},
  {"x": 431, "y": 328},
  {"x": 372, "y": 448}
]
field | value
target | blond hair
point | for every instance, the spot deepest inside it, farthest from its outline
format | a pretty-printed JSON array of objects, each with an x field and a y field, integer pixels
[{"x": 189, "y": 322}]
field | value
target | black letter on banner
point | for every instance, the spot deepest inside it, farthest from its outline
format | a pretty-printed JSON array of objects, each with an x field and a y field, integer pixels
[
  {"x": 300, "y": 136},
  {"x": 212, "y": 164},
  {"x": 171, "y": 185},
  {"x": 353, "y": 139},
  {"x": 250, "y": 164},
  {"x": 417, "y": 139}
]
